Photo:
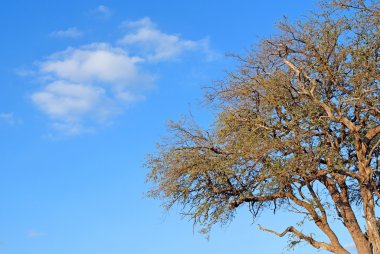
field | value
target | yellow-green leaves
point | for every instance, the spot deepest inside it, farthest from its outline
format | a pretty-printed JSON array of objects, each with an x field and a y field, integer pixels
[{"x": 297, "y": 128}]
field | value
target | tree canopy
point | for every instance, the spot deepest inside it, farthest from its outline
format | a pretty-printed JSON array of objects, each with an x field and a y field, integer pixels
[{"x": 297, "y": 128}]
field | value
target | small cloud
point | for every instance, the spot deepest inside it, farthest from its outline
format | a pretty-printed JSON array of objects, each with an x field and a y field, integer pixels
[
  {"x": 144, "y": 22},
  {"x": 70, "y": 105},
  {"x": 71, "y": 32},
  {"x": 68, "y": 101},
  {"x": 87, "y": 85},
  {"x": 101, "y": 11},
  {"x": 70, "y": 129},
  {"x": 94, "y": 62},
  {"x": 8, "y": 118},
  {"x": 32, "y": 234},
  {"x": 156, "y": 45}
]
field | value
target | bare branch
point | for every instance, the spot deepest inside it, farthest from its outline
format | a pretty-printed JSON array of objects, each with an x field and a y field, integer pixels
[{"x": 309, "y": 239}]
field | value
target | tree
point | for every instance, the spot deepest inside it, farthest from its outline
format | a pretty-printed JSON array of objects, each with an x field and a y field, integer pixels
[{"x": 297, "y": 128}]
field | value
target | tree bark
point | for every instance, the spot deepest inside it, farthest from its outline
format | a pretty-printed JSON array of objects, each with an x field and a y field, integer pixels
[
  {"x": 343, "y": 204},
  {"x": 370, "y": 219}
]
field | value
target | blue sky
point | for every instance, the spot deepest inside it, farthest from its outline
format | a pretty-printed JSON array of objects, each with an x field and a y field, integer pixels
[{"x": 87, "y": 88}]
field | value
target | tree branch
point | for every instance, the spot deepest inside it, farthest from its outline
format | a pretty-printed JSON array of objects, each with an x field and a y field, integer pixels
[{"x": 300, "y": 235}]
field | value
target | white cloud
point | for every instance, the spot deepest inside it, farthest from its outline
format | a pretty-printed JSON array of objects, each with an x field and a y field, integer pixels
[
  {"x": 34, "y": 234},
  {"x": 71, "y": 32},
  {"x": 157, "y": 45},
  {"x": 74, "y": 106},
  {"x": 68, "y": 101},
  {"x": 89, "y": 84},
  {"x": 94, "y": 62},
  {"x": 101, "y": 11}
]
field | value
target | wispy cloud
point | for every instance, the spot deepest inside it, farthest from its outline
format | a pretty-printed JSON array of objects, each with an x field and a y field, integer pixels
[
  {"x": 101, "y": 11},
  {"x": 71, "y": 32},
  {"x": 32, "y": 234},
  {"x": 89, "y": 84},
  {"x": 156, "y": 45},
  {"x": 8, "y": 118}
]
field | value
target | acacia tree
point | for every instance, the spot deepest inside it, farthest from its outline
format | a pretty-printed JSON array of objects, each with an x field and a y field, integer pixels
[{"x": 297, "y": 128}]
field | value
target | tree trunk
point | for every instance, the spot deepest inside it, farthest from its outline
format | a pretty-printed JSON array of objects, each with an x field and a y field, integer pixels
[
  {"x": 369, "y": 213},
  {"x": 362, "y": 246},
  {"x": 370, "y": 218}
]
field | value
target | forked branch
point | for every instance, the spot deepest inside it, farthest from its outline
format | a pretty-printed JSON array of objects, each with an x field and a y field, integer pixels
[{"x": 302, "y": 236}]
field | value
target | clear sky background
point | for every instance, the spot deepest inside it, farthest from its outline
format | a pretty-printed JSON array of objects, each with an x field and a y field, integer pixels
[{"x": 86, "y": 90}]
